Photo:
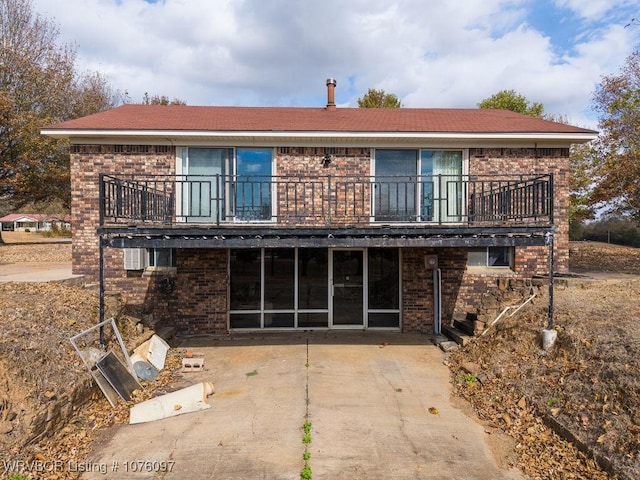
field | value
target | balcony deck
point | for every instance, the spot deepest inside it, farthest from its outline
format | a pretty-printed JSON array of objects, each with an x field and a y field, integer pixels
[{"x": 232, "y": 211}]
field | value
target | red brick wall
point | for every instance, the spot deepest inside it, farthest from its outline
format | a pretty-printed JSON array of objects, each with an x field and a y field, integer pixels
[
  {"x": 499, "y": 161},
  {"x": 417, "y": 286},
  {"x": 463, "y": 290},
  {"x": 199, "y": 302},
  {"x": 87, "y": 162},
  {"x": 349, "y": 173}
]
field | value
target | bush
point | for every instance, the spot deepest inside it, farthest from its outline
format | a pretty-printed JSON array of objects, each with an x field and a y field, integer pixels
[
  {"x": 620, "y": 231},
  {"x": 57, "y": 231}
]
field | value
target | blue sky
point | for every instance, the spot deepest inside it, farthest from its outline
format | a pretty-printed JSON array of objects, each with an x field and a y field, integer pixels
[{"x": 431, "y": 53}]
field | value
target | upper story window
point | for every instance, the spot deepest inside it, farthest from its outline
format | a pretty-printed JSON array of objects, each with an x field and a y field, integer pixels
[
  {"x": 226, "y": 184},
  {"x": 418, "y": 185}
]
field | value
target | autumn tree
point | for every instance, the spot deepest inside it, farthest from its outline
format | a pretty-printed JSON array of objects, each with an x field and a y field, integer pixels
[
  {"x": 616, "y": 163},
  {"x": 38, "y": 86},
  {"x": 379, "y": 99},
  {"x": 511, "y": 100}
]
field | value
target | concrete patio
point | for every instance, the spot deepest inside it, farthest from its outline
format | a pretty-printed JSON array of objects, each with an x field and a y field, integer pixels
[{"x": 379, "y": 405}]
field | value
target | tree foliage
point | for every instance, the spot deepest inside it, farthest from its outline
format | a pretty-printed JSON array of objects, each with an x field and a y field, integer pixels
[
  {"x": 161, "y": 100},
  {"x": 379, "y": 99},
  {"x": 616, "y": 163},
  {"x": 580, "y": 183},
  {"x": 618, "y": 230},
  {"x": 511, "y": 100},
  {"x": 38, "y": 86}
]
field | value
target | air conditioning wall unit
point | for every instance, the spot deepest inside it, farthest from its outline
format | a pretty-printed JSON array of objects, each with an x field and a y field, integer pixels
[{"x": 135, "y": 258}]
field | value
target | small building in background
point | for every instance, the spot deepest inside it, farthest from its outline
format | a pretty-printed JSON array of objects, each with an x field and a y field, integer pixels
[{"x": 34, "y": 222}]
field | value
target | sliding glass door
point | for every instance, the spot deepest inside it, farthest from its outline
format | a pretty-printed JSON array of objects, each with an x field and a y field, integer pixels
[
  {"x": 204, "y": 189},
  {"x": 348, "y": 288},
  {"x": 418, "y": 185},
  {"x": 441, "y": 197},
  {"x": 314, "y": 288},
  {"x": 253, "y": 184},
  {"x": 225, "y": 184},
  {"x": 394, "y": 187}
]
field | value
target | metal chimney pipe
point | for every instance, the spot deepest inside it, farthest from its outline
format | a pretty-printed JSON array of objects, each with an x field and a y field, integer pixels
[{"x": 331, "y": 87}]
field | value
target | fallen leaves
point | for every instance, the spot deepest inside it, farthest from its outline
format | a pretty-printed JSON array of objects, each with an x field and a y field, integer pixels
[{"x": 588, "y": 383}]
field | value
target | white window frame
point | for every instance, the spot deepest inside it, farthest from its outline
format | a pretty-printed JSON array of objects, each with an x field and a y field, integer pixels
[
  {"x": 510, "y": 252},
  {"x": 464, "y": 174},
  {"x": 229, "y": 216}
]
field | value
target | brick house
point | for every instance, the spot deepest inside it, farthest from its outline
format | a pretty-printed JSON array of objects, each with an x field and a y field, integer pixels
[{"x": 218, "y": 219}]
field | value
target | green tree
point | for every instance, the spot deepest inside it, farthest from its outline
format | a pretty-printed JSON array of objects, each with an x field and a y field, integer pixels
[
  {"x": 379, "y": 99},
  {"x": 616, "y": 163},
  {"x": 511, "y": 100},
  {"x": 38, "y": 86}
]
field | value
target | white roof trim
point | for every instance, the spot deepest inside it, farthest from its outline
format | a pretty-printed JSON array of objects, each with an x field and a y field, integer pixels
[{"x": 278, "y": 134}]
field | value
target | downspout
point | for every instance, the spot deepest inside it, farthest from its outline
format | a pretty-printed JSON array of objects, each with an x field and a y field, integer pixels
[
  {"x": 101, "y": 319},
  {"x": 549, "y": 243},
  {"x": 437, "y": 301}
]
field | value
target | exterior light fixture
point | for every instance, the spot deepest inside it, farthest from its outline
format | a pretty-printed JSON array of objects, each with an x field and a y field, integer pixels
[{"x": 326, "y": 160}]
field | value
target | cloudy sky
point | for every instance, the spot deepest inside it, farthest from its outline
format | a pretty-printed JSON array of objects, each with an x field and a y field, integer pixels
[{"x": 431, "y": 53}]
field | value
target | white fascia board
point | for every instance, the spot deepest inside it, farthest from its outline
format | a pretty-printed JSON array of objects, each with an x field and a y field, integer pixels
[{"x": 171, "y": 136}]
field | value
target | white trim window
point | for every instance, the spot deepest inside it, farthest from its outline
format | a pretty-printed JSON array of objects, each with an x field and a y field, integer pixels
[
  {"x": 418, "y": 185},
  {"x": 161, "y": 257},
  {"x": 225, "y": 184},
  {"x": 492, "y": 257},
  {"x": 149, "y": 258}
]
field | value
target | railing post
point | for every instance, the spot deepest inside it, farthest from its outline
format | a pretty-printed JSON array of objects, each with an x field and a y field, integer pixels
[
  {"x": 329, "y": 190},
  {"x": 440, "y": 199},
  {"x": 549, "y": 242},
  {"x": 101, "y": 307},
  {"x": 101, "y": 199},
  {"x": 551, "y": 198}
]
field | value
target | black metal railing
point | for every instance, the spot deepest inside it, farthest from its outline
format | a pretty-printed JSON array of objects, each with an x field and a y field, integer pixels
[{"x": 327, "y": 200}]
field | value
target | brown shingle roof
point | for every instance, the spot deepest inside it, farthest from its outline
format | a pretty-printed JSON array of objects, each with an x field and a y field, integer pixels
[{"x": 265, "y": 119}]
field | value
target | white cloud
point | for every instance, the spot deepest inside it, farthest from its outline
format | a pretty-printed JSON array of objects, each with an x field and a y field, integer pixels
[
  {"x": 595, "y": 10},
  {"x": 436, "y": 53}
]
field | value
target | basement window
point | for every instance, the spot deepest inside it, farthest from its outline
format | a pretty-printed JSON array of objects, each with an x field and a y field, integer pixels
[
  {"x": 494, "y": 257},
  {"x": 161, "y": 257},
  {"x": 150, "y": 259}
]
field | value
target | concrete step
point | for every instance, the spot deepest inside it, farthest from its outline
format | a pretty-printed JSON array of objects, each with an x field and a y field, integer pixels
[
  {"x": 166, "y": 332},
  {"x": 458, "y": 336},
  {"x": 465, "y": 326}
]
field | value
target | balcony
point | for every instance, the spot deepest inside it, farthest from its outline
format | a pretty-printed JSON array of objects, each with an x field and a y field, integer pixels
[{"x": 326, "y": 201}]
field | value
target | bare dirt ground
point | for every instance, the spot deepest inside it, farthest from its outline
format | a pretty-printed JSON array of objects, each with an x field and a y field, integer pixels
[
  {"x": 587, "y": 385},
  {"x": 38, "y": 363},
  {"x": 588, "y": 382}
]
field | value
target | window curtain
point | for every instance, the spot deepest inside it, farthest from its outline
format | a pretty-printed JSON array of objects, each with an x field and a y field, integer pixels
[
  {"x": 203, "y": 193},
  {"x": 441, "y": 182}
]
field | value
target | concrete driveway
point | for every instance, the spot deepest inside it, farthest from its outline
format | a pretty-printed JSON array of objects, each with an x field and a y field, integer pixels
[{"x": 371, "y": 401}]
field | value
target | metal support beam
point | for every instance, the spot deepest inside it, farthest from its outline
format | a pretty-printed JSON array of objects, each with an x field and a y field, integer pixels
[
  {"x": 323, "y": 242},
  {"x": 102, "y": 309},
  {"x": 549, "y": 242}
]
